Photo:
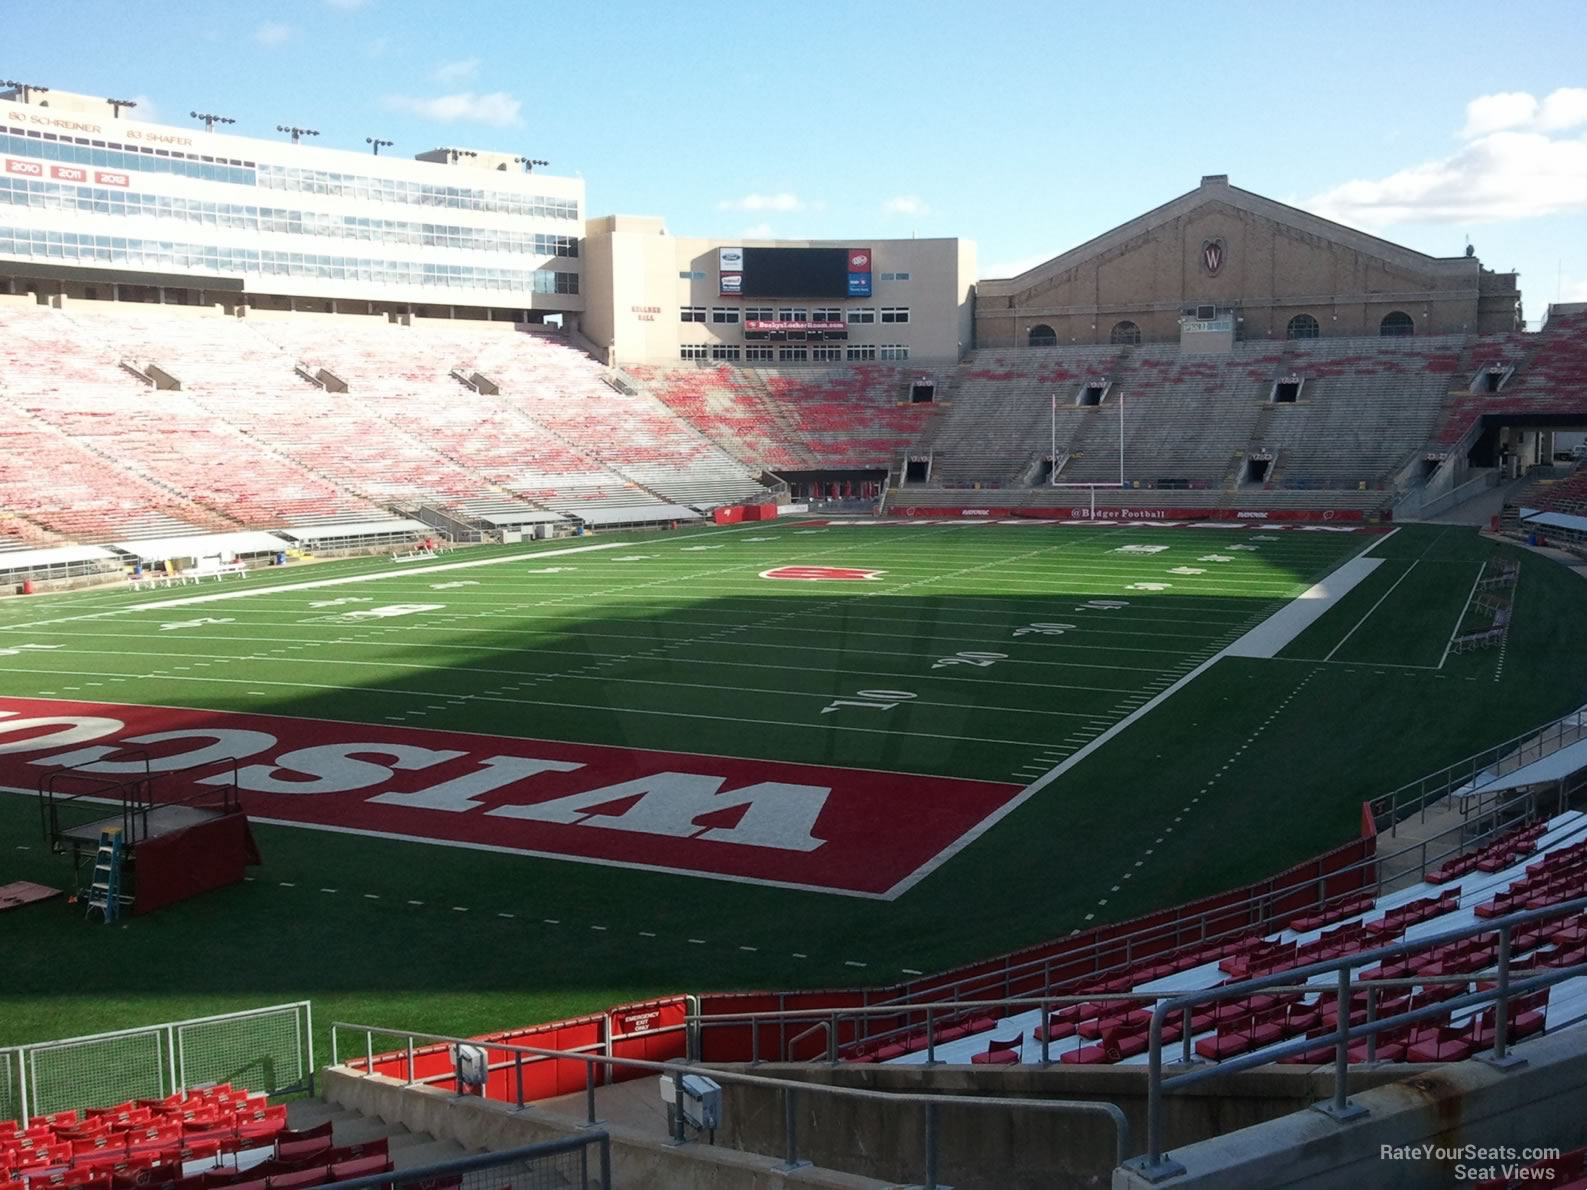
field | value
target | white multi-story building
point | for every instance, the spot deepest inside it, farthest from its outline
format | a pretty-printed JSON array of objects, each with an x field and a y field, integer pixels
[
  {"x": 96, "y": 205},
  {"x": 656, "y": 298}
]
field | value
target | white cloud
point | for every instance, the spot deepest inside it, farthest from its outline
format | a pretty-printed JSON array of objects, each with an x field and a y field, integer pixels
[
  {"x": 1565, "y": 108},
  {"x": 1513, "y": 166},
  {"x": 758, "y": 231},
  {"x": 270, "y": 34},
  {"x": 498, "y": 109},
  {"x": 457, "y": 72},
  {"x": 146, "y": 109},
  {"x": 764, "y": 202},
  {"x": 1520, "y": 110},
  {"x": 1493, "y": 113},
  {"x": 1013, "y": 266},
  {"x": 904, "y": 204}
]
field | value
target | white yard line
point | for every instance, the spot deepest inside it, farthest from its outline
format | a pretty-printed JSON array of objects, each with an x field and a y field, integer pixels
[
  {"x": 1070, "y": 761},
  {"x": 246, "y": 592},
  {"x": 1372, "y": 609},
  {"x": 1272, "y": 635},
  {"x": 1461, "y": 618},
  {"x": 543, "y": 702}
]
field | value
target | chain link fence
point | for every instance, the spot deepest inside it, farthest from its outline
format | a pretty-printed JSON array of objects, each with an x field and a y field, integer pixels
[{"x": 263, "y": 1049}]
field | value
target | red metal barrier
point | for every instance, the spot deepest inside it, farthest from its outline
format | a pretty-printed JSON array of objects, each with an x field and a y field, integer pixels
[{"x": 631, "y": 1031}]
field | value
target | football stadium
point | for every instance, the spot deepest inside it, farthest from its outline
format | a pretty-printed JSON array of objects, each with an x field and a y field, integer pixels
[{"x": 467, "y": 661}]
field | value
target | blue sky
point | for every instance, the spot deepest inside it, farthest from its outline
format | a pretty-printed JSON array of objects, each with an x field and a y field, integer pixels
[{"x": 1028, "y": 127}]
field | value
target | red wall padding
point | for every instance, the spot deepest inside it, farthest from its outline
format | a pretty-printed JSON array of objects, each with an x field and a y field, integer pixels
[{"x": 209, "y": 855}]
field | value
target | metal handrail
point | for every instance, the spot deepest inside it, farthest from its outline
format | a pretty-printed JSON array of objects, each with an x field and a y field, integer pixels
[
  {"x": 1156, "y": 1166},
  {"x": 896, "y": 1006},
  {"x": 136, "y": 794},
  {"x": 789, "y": 1088},
  {"x": 426, "y": 1174},
  {"x": 1387, "y": 808},
  {"x": 50, "y": 802}
]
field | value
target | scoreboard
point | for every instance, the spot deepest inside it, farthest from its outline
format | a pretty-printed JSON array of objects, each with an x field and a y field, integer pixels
[{"x": 794, "y": 272}]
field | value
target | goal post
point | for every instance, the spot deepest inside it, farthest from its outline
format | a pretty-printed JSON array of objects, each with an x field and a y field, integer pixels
[{"x": 1052, "y": 477}]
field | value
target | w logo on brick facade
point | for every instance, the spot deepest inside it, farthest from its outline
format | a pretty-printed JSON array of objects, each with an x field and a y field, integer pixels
[{"x": 1212, "y": 253}]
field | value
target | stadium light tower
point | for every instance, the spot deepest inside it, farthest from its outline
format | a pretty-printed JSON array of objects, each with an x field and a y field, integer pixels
[
  {"x": 210, "y": 119},
  {"x": 456, "y": 153},
  {"x": 117, "y": 104},
  {"x": 27, "y": 89},
  {"x": 296, "y": 132},
  {"x": 378, "y": 143},
  {"x": 529, "y": 163}
]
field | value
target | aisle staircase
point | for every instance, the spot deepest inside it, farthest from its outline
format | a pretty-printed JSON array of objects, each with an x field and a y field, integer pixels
[{"x": 408, "y": 1149}]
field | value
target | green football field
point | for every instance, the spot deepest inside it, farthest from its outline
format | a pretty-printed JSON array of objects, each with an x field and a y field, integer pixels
[{"x": 928, "y": 692}]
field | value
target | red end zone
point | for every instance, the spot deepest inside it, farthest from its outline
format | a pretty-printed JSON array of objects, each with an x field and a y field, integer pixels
[{"x": 852, "y": 831}]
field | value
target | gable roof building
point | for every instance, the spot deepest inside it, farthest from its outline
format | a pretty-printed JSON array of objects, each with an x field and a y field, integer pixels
[{"x": 1218, "y": 255}]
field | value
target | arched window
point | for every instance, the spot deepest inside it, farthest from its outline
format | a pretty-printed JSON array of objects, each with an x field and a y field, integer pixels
[
  {"x": 1302, "y": 326},
  {"x": 1124, "y": 332},
  {"x": 1396, "y": 324},
  {"x": 1043, "y": 336}
]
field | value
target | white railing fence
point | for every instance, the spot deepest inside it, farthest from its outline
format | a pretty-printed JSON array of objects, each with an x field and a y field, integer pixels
[{"x": 268, "y": 1050}]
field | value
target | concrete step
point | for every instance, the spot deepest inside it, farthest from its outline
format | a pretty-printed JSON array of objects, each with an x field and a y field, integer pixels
[
  {"x": 420, "y": 1155},
  {"x": 407, "y": 1140},
  {"x": 310, "y": 1113},
  {"x": 365, "y": 1128}
]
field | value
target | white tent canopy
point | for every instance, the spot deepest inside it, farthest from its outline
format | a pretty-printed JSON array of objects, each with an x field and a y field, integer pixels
[
  {"x": 60, "y": 555},
  {"x": 637, "y": 514},
  {"x": 1553, "y": 520},
  {"x": 529, "y": 516},
  {"x": 355, "y": 529},
  {"x": 203, "y": 545}
]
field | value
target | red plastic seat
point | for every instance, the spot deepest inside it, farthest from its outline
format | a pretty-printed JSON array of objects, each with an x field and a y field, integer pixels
[
  {"x": 1447, "y": 1045},
  {"x": 1001, "y": 1052}
]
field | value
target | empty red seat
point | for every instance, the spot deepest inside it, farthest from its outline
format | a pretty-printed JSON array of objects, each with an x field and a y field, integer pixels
[{"x": 1001, "y": 1051}]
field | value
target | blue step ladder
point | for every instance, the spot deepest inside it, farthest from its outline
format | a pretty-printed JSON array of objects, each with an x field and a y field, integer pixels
[{"x": 104, "y": 892}]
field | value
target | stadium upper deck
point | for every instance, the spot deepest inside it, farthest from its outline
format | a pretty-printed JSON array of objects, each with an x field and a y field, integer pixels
[{"x": 113, "y": 207}]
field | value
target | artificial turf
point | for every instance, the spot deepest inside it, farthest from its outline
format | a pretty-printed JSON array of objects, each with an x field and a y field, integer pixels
[{"x": 674, "y": 641}]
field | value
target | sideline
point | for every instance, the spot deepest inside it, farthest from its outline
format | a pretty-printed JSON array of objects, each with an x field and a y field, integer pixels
[{"x": 1140, "y": 712}]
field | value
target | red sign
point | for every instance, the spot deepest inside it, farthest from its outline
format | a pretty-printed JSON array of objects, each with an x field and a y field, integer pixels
[
  {"x": 761, "y": 324},
  {"x": 822, "y": 573},
  {"x": 68, "y": 173},
  {"x": 106, "y": 178},
  {"x": 859, "y": 260},
  {"x": 31, "y": 169},
  {"x": 857, "y": 831}
]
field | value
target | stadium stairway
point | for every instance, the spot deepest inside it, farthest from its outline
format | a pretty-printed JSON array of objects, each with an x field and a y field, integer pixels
[{"x": 409, "y": 1150}]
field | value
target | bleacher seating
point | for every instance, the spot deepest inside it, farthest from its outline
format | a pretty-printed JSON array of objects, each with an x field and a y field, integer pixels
[
  {"x": 1366, "y": 406},
  {"x": 1528, "y": 868},
  {"x": 99, "y": 446},
  {"x": 1568, "y": 495},
  {"x": 200, "y": 1140},
  {"x": 94, "y": 453},
  {"x": 801, "y": 417},
  {"x": 1550, "y": 375}
]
